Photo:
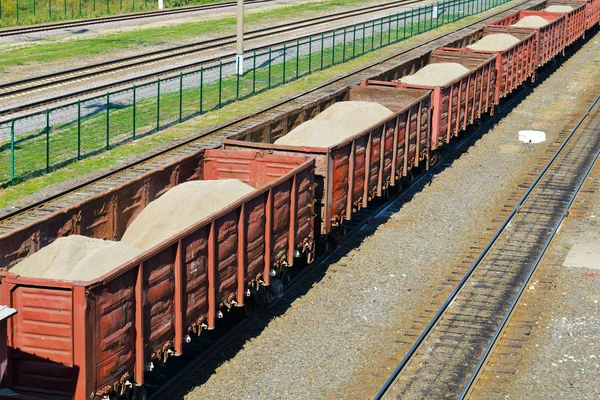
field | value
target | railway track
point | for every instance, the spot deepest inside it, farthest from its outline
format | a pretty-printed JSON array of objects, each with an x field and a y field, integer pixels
[
  {"x": 446, "y": 358},
  {"x": 28, "y": 215},
  {"x": 44, "y": 82},
  {"x": 22, "y": 30}
]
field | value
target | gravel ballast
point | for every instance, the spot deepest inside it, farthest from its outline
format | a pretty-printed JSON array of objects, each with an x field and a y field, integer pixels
[{"x": 335, "y": 330}]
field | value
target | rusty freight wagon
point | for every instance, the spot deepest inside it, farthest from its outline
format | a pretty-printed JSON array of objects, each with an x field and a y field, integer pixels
[
  {"x": 349, "y": 174},
  {"x": 551, "y": 38},
  {"x": 86, "y": 340},
  {"x": 592, "y": 12},
  {"x": 514, "y": 65},
  {"x": 576, "y": 18},
  {"x": 459, "y": 102}
]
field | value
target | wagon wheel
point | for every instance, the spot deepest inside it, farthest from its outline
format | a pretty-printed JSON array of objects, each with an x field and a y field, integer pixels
[
  {"x": 434, "y": 159},
  {"x": 249, "y": 307},
  {"x": 139, "y": 393}
]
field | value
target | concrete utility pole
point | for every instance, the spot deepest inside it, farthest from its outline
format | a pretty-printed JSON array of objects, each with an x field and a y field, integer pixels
[
  {"x": 239, "y": 48},
  {"x": 161, "y": 4}
]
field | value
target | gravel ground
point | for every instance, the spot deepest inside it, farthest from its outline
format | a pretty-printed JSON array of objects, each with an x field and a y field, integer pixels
[
  {"x": 332, "y": 332},
  {"x": 562, "y": 358}
]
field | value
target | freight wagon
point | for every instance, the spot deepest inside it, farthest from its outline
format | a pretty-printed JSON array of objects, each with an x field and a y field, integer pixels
[
  {"x": 514, "y": 65},
  {"x": 551, "y": 38},
  {"x": 457, "y": 103},
  {"x": 87, "y": 340},
  {"x": 351, "y": 173}
]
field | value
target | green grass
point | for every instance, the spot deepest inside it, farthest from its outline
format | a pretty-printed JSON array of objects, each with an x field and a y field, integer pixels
[
  {"x": 77, "y": 49},
  {"x": 63, "y": 139},
  {"x": 32, "y": 12}
]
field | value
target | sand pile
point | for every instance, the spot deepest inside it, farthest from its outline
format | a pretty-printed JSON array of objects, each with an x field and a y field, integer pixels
[
  {"x": 438, "y": 74},
  {"x": 336, "y": 123},
  {"x": 76, "y": 258},
  {"x": 532, "y": 21},
  {"x": 562, "y": 9},
  {"x": 181, "y": 207},
  {"x": 495, "y": 42}
]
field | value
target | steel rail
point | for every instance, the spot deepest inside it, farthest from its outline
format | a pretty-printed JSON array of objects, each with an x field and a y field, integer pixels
[
  {"x": 530, "y": 273},
  {"x": 20, "y": 30},
  {"x": 80, "y": 73},
  {"x": 246, "y": 118},
  {"x": 454, "y": 294}
]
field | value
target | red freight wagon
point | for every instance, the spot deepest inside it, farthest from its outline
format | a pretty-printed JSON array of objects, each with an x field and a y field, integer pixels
[
  {"x": 514, "y": 64},
  {"x": 551, "y": 39},
  {"x": 592, "y": 12},
  {"x": 87, "y": 339},
  {"x": 576, "y": 19},
  {"x": 351, "y": 173},
  {"x": 458, "y": 103}
]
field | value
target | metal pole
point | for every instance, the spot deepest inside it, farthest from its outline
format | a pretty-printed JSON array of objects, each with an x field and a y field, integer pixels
[
  {"x": 134, "y": 110},
  {"x": 107, "y": 120},
  {"x": 239, "y": 44},
  {"x": 157, "y": 104},
  {"x": 254, "y": 74},
  {"x": 220, "y": 83},
  {"x": 180, "y": 96},
  {"x": 47, "y": 140},
  {"x": 79, "y": 129},
  {"x": 12, "y": 152},
  {"x": 201, "y": 87}
]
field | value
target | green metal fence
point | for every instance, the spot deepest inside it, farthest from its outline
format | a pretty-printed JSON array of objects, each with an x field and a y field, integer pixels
[
  {"x": 25, "y": 12},
  {"x": 36, "y": 143}
]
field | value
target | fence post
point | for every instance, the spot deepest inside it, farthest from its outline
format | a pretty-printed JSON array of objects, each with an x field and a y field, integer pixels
[
  {"x": 220, "y": 83},
  {"x": 134, "y": 109},
  {"x": 12, "y": 152},
  {"x": 354, "y": 41},
  {"x": 269, "y": 79},
  {"x": 180, "y": 96},
  {"x": 157, "y": 104},
  {"x": 362, "y": 51},
  {"x": 344, "y": 47},
  {"x": 254, "y": 73},
  {"x": 380, "y": 32},
  {"x": 107, "y": 120},
  {"x": 298, "y": 57},
  {"x": 372, "y": 35},
  {"x": 47, "y": 140},
  {"x": 333, "y": 49},
  {"x": 201, "y": 87},
  {"x": 309, "y": 54},
  {"x": 389, "y": 30},
  {"x": 284, "y": 54},
  {"x": 322, "y": 49},
  {"x": 79, "y": 129}
]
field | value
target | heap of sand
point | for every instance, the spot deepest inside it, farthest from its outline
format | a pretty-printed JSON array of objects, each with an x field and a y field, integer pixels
[
  {"x": 180, "y": 208},
  {"x": 495, "y": 42},
  {"x": 336, "y": 124},
  {"x": 532, "y": 21},
  {"x": 437, "y": 74},
  {"x": 76, "y": 258}
]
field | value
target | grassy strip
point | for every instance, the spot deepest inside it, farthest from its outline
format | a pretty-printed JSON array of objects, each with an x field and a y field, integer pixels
[
  {"x": 52, "y": 52},
  {"x": 32, "y": 12},
  {"x": 189, "y": 128}
]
